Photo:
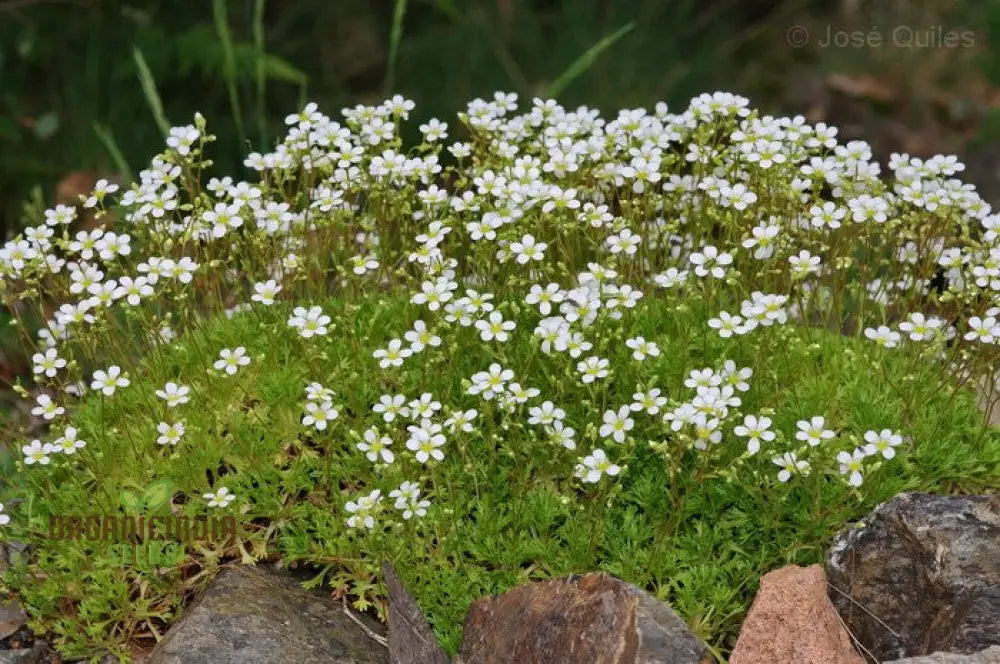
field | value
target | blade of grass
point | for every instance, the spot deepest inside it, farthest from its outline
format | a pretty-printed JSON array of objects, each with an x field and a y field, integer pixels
[
  {"x": 395, "y": 37},
  {"x": 258, "y": 44},
  {"x": 229, "y": 65},
  {"x": 107, "y": 138},
  {"x": 584, "y": 62},
  {"x": 149, "y": 91}
]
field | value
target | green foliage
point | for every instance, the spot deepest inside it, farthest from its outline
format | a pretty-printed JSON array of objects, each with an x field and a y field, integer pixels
[
  {"x": 586, "y": 60},
  {"x": 504, "y": 508},
  {"x": 149, "y": 91},
  {"x": 338, "y": 273}
]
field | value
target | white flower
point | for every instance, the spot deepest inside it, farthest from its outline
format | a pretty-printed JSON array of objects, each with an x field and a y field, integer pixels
[
  {"x": 376, "y": 446},
  {"x": 790, "y": 465},
  {"x": 617, "y": 424},
  {"x": 919, "y": 327},
  {"x": 703, "y": 378},
  {"x": 520, "y": 394},
  {"x": 738, "y": 378},
  {"x": 593, "y": 368},
  {"x": 221, "y": 498},
  {"x": 761, "y": 240},
  {"x": 528, "y": 249},
  {"x": 362, "y": 264},
  {"x": 434, "y": 130},
  {"x": 883, "y": 336},
  {"x": 108, "y": 381},
  {"x": 672, "y": 277},
  {"x": 231, "y": 360},
  {"x": 813, "y": 431},
  {"x": 317, "y": 392},
  {"x": 393, "y": 355},
  {"x": 407, "y": 498},
  {"x": 434, "y": 293},
  {"x": 426, "y": 440},
  {"x": 757, "y": 430},
  {"x": 804, "y": 264},
  {"x": 391, "y": 406},
  {"x": 170, "y": 434},
  {"x": 309, "y": 322},
  {"x": 882, "y": 442},
  {"x": 625, "y": 242},
  {"x": 547, "y": 413},
  {"x": 737, "y": 196},
  {"x": 545, "y": 297},
  {"x": 174, "y": 394},
  {"x": 47, "y": 363},
  {"x": 425, "y": 407},
  {"x": 37, "y": 452},
  {"x": 852, "y": 465},
  {"x": 727, "y": 325},
  {"x": 47, "y": 408},
  {"x": 710, "y": 262},
  {"x": 60, "y": 214},
  {"x": 461, "y": 420},
  {"x": 182, "y": 269},
  {"x": 595, "y": 466},
  {"x": 495, "y": 328},
  {"x": 68, "y": 443},
  {"x": 650, "y": 401},
  {"x": 318, "y": 413},
  {"x": 4, "y": 518},
  {"x": 706, "y": 431},
  {"x": 984, "y": 330},
  {"x": 561, "y": 434},
  {"x": 829, "y": 216},
  {"x": 490, "y": 383},
  {"x": 134, "y": 290},
  {"x": 265, "y": 291},
  {"x": 420, "y": 337},
  {"x": 641, "y": 349},
  {"x": 363, "y": 510}
]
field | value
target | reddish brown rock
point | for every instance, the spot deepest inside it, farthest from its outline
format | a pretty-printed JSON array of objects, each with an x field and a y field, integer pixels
[
  {"x": 792, "y": 621},
  {"x": 592, "y": 619}
]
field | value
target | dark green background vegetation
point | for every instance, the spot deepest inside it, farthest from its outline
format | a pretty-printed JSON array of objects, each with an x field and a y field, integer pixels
[{"x": 70, "y": 92}]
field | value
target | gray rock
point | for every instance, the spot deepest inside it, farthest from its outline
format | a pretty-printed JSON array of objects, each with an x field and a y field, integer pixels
[
  {"x": 921, "y": 575},
  {"x": 256, "y": 615},
  {"x": 12, "y": 618},
  {"x": 12, "y": 552},
  {"x": 34, "y": 655},
  {"x": 411, "y": 639},
  {"x": 592, "y": 619},
  {"x": 988, "y": 656}
]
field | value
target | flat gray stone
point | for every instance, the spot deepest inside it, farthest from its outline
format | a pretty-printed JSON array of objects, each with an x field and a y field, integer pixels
[
  {"x": 988, "y": 656},
  {"x": 257, "y": 615}
]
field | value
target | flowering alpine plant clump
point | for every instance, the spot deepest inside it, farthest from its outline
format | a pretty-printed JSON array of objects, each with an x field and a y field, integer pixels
[{"x": 684, "y": 348}]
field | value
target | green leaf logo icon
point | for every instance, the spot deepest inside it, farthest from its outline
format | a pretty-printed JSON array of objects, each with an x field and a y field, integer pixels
[
  {"x": 131, "y": 500},
  {"x": 158, "y": 494}
]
